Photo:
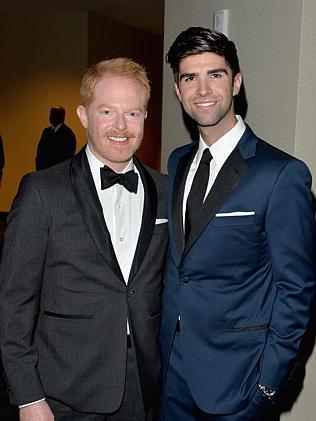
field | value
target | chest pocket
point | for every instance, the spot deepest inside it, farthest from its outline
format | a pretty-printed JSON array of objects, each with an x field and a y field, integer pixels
[
  {"x": 233, "y": 221},
  {"x": 236, "y": 240}
]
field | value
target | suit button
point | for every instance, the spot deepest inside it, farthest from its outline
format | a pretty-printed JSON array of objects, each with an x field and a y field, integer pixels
[
  {"x": 186, "y": 279},
  {"x": 130, "y": 292}
]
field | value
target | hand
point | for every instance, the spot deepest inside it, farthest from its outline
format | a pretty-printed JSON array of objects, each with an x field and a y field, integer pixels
[{"x": 39, "y": 411}]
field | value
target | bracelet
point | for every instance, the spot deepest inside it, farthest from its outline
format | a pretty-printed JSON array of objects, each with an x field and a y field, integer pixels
[{"x": 269, "y": 393}]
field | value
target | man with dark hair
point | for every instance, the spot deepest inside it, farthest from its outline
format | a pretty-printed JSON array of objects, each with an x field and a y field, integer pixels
[
  {"x": 57, "y": 143},
  {"x": 241, "y": 275},
  {"x": 83, "y": 264}
]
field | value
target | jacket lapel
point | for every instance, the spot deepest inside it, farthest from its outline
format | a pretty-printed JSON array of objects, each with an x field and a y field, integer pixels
[
  {"x": 177, "y": 199},
  {"x": 227, "y": 180},
  {"x": 148, "y": 218},
  {"x": 91, "y": 209}
]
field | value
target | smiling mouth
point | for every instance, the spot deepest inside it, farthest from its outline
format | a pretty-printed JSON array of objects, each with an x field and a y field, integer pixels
[
  {"x": 118, "y": 138},
  {"x": 205, "y": 104}
]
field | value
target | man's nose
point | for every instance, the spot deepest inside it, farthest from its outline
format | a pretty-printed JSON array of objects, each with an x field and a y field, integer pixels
[
  {"x": 120, "y": 122},
  {"x": 204, "y": 87}
]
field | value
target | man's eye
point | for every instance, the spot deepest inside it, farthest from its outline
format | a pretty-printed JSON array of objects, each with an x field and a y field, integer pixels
[
  {"x": 190, "y": 78},
  {"x": 106, "y": 112},
  {"x": 134, "y": 114},
  {"x": 215, "y": 75}
]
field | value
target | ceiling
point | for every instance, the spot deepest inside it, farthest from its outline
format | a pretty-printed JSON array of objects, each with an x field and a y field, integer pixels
[{"x": 143, "y": 14}]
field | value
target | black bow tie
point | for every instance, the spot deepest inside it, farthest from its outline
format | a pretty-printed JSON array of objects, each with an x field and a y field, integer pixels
[{"x": 109, "y": 177}]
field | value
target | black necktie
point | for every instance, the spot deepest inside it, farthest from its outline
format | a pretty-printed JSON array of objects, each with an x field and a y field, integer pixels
[
  {"x": 109, "y": 177},
  {"x": 197, "y": 192}
]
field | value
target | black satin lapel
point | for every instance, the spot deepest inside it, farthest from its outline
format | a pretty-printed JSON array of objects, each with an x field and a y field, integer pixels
[
  {"x": 91, "y": 209},
  {"x": 148, "y": 218},
  {"x": 227, "y": 180},
  {"x": 177, "y": 198}
]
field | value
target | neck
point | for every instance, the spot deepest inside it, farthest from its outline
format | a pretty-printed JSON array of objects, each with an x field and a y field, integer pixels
[{"x": 212, "y": 134}]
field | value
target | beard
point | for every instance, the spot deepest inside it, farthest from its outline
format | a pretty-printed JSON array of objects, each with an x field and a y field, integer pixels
[{"x": 115, "y": 151}]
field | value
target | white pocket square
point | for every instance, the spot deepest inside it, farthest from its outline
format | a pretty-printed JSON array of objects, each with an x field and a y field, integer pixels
[
  {"x": 238, "y": 213},
  {"x": 161, "y": 221}
]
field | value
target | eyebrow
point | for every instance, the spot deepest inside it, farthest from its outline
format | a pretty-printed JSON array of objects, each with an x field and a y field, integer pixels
[
  {"x": 220, "y": 70},
  {"x": 209, "y": 72}
]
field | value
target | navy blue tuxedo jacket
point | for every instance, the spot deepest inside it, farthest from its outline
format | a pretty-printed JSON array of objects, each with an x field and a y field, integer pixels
[{"x": 244, "y": 281}]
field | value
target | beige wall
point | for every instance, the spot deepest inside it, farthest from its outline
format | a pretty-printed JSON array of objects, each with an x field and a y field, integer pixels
[
  {"x": 276, "y": 45},
  {"x": 305, "y": 136}
]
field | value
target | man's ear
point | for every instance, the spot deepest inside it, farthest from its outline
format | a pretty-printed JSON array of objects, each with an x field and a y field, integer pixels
[
  {"x": 82, "y": 114},
  {"x": 237, "y": 84},
  {"x": 176, "y": 87}
]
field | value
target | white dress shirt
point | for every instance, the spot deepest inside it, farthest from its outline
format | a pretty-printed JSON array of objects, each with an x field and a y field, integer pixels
[
  {"x": 122, "y": 211},
  {"x": 220, "y": 151}
]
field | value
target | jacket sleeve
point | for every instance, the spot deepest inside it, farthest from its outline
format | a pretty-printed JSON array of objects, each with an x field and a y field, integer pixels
[
  {"x": 290, "y": 229},
  {"x": 22, "y": 265}
]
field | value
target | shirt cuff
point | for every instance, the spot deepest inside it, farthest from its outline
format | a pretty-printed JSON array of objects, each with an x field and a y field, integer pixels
[{"x": 31, "y": 403}]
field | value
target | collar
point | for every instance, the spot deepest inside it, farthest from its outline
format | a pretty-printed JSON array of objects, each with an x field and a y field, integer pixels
[
  {"x": 95, "y": 165},
  {"x": 55, "y": 128},
  {"x": 223, "y": 147}
]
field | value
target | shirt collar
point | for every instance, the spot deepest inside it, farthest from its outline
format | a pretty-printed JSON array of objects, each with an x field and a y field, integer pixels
[
  {"x": 224, "y": 146},
  {"x": 96, "y": 164},
  {"x": 55, "y": 128}
]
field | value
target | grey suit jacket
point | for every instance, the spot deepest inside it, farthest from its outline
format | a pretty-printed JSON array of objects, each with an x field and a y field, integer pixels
[{"x": 63, "y": 299}]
